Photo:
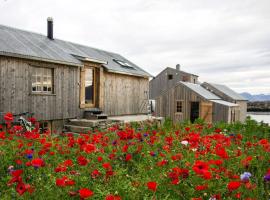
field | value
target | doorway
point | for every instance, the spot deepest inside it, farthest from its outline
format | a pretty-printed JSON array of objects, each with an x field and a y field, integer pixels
[
  {"x": 89, "y": 86},
  {"x": 194, "y": 111}
]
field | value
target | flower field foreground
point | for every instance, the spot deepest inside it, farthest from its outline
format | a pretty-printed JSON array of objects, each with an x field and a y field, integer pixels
[{"x": 138, "y": 161}]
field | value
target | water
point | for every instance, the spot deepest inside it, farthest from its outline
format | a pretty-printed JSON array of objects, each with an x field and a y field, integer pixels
[{"x": 260, "y": 116}]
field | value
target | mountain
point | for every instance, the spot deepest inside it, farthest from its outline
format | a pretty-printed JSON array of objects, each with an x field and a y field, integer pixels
[{"x": 256, "y": 97}]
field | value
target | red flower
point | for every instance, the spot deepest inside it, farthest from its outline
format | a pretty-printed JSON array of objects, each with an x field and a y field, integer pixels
[
  {"x": 99, "y": 159},
  {"x": 82, "y": 161},
  {"x": 112, "y": 197},
  {"x": 95, "y": 173},
  {"x": 85, "y": 193},
  {"x": 37, "y": 162},
  {"x": 21, "y": 188},
  {"x": 8, "y": 117},
  {"x": 233, "y": 185},
  {"x": 152, "y": 186},
  {"x": 128, "y": 157},
  {"x": 200, "y": 167},
  {"x": 201, "y": 187},
  {"x": 68, "y": 163},
  {"x": 107, "y": 166}
]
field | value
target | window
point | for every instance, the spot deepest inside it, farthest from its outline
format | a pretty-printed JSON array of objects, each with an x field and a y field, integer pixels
[
  {"x": 170, "y": 76},
  {"x": 179, "y": 106},
  {"x": 123, "y": 64},
  {"x": 42, "y": 79}
]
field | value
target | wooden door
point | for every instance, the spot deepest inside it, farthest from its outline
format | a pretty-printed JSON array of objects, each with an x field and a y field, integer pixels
[
  {"x": 206, "y": 111},
  {"x": 88, "y": 87}
]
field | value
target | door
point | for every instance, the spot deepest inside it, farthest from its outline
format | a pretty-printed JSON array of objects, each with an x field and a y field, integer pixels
[
  {"x": 194, "y": 111},
  {"x": 206, "y": 111},
  {"x": 88, "y": 87}
]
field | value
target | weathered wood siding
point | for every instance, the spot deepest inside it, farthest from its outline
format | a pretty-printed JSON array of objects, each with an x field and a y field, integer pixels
[
  {"x": 209, "y": 111},
  {"x": 124, "y": 95},
  {"x": 16, "y": 95},
  {"x": 220, "y": 113},
  {"x": 242, "y": 104},
  {"x": 166, "y": 103},
  {"x": 243, "y": 110},
  {"x": 161, "y": 83}
]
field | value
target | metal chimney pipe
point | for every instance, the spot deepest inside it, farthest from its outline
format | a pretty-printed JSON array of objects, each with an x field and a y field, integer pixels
[
  {"x": 178, "y": 67},
  {"x": 50, "y": 28}
]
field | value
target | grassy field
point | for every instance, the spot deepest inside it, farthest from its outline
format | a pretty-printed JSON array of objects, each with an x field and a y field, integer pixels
[{"x": 138, "y": 161}]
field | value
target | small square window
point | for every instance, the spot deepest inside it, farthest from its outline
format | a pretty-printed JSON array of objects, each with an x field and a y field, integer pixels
[{"x": 170, "y": 76}]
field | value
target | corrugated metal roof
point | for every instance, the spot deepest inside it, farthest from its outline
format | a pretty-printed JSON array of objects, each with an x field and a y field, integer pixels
[
  {"x": 200, "y": 90},
  {"x": 225, "y": 103},
  {"x": 20, "y": 43},
  {"x": 227, "y": 91}
]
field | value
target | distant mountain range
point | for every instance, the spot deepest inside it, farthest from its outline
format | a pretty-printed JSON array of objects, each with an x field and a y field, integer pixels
[{"x": 256, "y": 97}]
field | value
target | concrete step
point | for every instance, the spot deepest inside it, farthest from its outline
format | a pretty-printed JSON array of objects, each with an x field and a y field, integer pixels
[
  {"x": 77, "y": 129},
  {"x": 87, "y": 122}
]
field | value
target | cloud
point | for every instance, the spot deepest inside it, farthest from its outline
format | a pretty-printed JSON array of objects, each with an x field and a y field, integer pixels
[{"x": 222, "y": 41}]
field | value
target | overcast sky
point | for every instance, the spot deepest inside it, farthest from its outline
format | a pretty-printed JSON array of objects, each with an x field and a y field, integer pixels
[{"x": 225, "y": 42}]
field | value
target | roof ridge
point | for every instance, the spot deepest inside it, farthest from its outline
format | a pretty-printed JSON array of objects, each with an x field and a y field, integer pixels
[{"x": 57, "y": 39}]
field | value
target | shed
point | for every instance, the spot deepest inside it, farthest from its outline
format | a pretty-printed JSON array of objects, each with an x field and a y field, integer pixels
[{"x": 189, "y": 101}]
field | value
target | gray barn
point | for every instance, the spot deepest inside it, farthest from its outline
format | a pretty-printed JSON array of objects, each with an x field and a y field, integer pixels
[
  {"x": 186, "y": 99},
  {"x": 56, "y": 79}
]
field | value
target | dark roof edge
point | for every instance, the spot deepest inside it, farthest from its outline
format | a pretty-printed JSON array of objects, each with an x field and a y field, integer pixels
[{"x": 15, "y": 55}]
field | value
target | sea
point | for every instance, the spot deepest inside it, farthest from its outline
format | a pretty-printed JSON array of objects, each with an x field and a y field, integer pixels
[{"x": 260, "y": 116}]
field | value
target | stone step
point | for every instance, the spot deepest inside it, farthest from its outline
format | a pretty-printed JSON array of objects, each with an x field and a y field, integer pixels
[
  {"x": 77, "y": 129},
  {"x": 88, "y": 123}
]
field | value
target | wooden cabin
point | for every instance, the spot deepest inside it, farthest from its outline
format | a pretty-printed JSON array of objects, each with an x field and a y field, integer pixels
[
  {"x": 168, "y": 78},
  {"x": 188, "y": 100},
  {"x": 229, "y": 95},
  {"x": 57, "y": 80}
]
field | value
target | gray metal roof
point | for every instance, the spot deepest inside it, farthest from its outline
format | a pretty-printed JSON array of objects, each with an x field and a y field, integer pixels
[
  {"x": 200, "y": 90},
  {"x": 227, "y": 91},
  {"x": 25, "y": 44},
  {"x": 225, "y": 103}
]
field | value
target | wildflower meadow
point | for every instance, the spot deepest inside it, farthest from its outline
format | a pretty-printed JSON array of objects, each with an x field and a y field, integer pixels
[{"x": 137, "y": 161}]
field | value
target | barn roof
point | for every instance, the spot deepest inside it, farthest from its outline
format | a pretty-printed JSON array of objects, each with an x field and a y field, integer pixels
[
  {"x": 227, "y": 91},
  {"x": 200, "y": 91},
  {"x": 225, "y": 103},
  {"x": 24, "y": 44}
]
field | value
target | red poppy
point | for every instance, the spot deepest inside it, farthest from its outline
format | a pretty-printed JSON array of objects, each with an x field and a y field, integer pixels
[
  {"x": 200, "y": 167},
  {"x": 21, "y": 188},
  {"x": 95, "y": 173},
  {"x": 112, "y": 197},
  {"x": 82, "y": 160},
  {"x": 152, "y": 186},
  {"x": 68, "y": 163},
  {"x": 8, "y": 117},
  {"x": 201, "y": 187},
  {"x": 37, "y": 162},
  {"x": 233, "y": 185},
  {"x": 85, "y": 193},
  {"x": 128, "y": 157}
]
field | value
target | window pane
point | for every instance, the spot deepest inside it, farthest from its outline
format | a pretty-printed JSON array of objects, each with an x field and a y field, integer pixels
[
  {"x": 42, "y": 79},
  {"x": 45, "y": 88}
]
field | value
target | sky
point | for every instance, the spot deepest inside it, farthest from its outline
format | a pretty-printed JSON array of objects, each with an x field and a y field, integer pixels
[{"x": 226, "y": 42}]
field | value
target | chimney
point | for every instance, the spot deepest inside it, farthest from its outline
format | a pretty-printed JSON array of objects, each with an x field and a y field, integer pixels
[
  {"x": 50, "y": 28},
  {"x": 178, "y": 67}
]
